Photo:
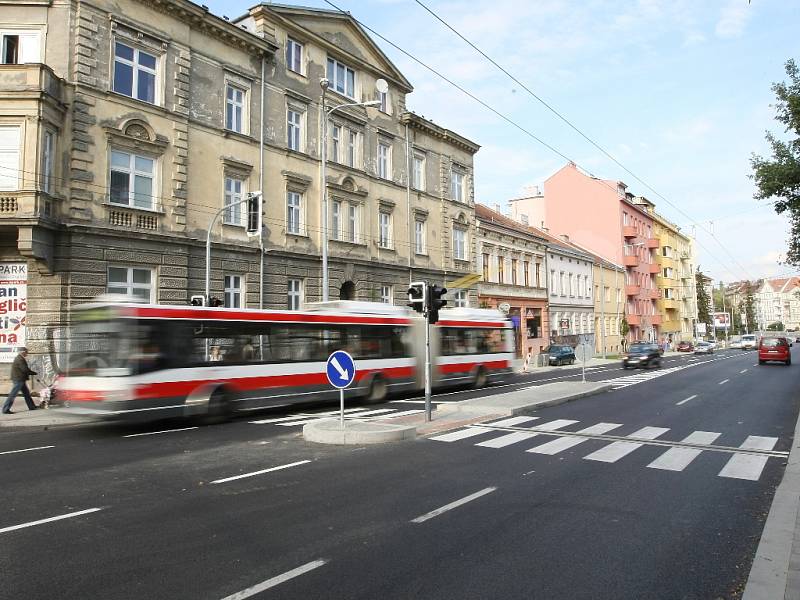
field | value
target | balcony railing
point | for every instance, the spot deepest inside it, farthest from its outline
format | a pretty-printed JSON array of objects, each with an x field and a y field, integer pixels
[
  {"x": 30, "y": 78},
  {"x": 629, "y": 231},
  {"x": 26, "y": 205},
  {"x": 632, "y": 290},
  {"x": 630, "y": 260},
  {"x": 132, "y": 219},
  {"x": 651, "y": 243},
  {"x": 653, "y": 268},
  {"x": 634, "y": 320}
]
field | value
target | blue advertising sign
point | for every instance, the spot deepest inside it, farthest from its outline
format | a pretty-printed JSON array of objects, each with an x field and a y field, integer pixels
[{"x": 340, "y": 369}]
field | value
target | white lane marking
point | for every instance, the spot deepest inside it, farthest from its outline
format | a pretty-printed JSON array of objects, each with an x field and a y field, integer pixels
[
  {"x": 677, "y": 459},
  {"x": 692, "y": 397},
  {"x": 265, "y": 585},
  {"x": 254, "y": 473},
  {"x": 616, "y": 450},
  {"x": 560, "y": 444},
  {"x": 743, "y": 371},
  {"x": 27, "y": 449},
  {"x": 49, "y": 520},
  {"x": 158, "y": 432},
  {"x": 553, "y": 425},
  {"x": 512, "y": 421},
  {"x": 724, "y": 381},
  {"x": 404, "y": 413},
  {"x": 461, "y": 434},
  {"x": 452, "y": 505},
  {"x": 306, "y": 416},
  {"x": 434, "y": 401},
  {"x": 369, "y": 413},
  {"x": 749, "y": 466},
  {"x": 507, "y": 440}
]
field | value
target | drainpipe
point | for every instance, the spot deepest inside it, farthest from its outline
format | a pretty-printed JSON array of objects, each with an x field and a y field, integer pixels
[{"x": 261, "y": 183}]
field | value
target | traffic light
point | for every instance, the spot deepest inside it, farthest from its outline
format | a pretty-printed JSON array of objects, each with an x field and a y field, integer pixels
[
  {"x": 197, "y": 301},
  {"x": 253, "y": 213},
  {"x": 435, "y": 302},
  {"x": 416, "y": 296}
]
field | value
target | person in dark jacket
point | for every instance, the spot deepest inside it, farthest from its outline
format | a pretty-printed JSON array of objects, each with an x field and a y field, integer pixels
[{"x": 20, "y": 371}]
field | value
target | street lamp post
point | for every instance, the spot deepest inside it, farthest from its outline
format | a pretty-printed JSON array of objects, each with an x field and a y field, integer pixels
[{"x": 325, "y": 83}]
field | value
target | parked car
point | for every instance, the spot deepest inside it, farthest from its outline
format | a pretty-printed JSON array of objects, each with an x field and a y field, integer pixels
[
  {"x": 704, "y": 348},
  {"x": 736, "y": 343},
  {"x": 749, "y": 342},
  {"x": 641, "y": 354},
  {"x": 685, "y": 347},
  {"x": 561, "y": 355},
  {"x": 713, "y": 342},
  {"x": 774, "y": 348}
]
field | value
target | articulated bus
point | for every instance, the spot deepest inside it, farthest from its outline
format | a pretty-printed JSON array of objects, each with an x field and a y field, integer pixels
[{"x": 130, "y": 360}]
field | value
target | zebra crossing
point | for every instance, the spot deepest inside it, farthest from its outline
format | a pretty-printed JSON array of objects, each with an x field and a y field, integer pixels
[
  {"x": 746, "y": 461},
  {"x": 642, "y": 376},
  {"x": 354, "y": 414}
]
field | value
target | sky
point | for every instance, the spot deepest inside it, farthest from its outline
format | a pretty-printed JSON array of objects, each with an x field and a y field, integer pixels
[{"x": 677, "y": 91}]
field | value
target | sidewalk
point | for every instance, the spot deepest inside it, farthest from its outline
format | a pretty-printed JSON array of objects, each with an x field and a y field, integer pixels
[
  {"x": 43, "y": 418},
  {"x": 592, "y": 362},
  {"x": 775, "y": 573}
]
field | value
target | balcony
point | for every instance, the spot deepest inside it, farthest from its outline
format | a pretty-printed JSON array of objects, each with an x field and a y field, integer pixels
[
  {"x": 20, "y": 81},
  {"x": 632, "y": 290},
  {"x": 630, "y": 260},
  {"x": 629, "y": 231},
  {"x": 653, "y": 268},
  {"x": 653, "y": 294},
  {"x": 651, "y": 243},
  {"x": 654, "y": 319},
  {"x": 665, "y": 261},
  {"x": 633, "y": 320},
  {"x": 131, "y": 219},
  {"x": 25, "y": 206},
  {"x": 668, "y": 304},
  {"x": 671, "y": 326}
]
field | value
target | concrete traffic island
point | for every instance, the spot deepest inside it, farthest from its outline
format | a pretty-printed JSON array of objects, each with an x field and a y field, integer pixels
[{"x": 330, "y": 431}]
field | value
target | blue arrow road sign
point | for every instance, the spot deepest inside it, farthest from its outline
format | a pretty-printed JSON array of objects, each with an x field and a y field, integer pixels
[{"x": 340, "y": 369}]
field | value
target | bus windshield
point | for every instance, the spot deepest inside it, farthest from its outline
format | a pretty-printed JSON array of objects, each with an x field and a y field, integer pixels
[{"x": 114, "y": 348}]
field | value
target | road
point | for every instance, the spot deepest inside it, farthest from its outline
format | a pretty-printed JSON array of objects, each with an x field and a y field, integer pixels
[{"x": 513, "y": 509}]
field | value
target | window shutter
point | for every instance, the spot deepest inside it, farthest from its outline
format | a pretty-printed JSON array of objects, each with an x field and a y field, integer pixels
[{"x": 29, "y": 48}]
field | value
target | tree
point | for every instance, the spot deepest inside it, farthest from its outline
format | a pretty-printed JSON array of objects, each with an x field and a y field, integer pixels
[
  {"x": 703, "y": 301},
  {"x": 777, "y": 326},
  {"x": 748, "y": 307},
  {"x": 779, "y": 178}
]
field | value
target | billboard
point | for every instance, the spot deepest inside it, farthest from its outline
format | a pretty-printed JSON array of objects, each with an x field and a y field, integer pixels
[
  {"x": 722, "y": 320},
  {"x": 13, "y": 308}
]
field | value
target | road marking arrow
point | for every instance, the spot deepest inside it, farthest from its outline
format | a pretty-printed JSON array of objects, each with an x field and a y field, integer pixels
[{"x": 343, "y": 375}]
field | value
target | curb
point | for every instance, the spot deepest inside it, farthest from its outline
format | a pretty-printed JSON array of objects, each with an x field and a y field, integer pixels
[
  {"x": 770, "y": 576},
  {"x": 556, "y": 401},
  {"x": 329, "y": 431}
]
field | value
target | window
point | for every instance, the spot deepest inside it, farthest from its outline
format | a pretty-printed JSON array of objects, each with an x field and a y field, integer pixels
[
  {"x": 295, "y": 294},
  {"x": 501, "y": 269},
  {"x": 524, "y": 219},
  {"x": 134, "y": 73},
  {"x": 293, "y": 213},
  {"x": 384, "y": 160},
  {"x": 457, "y": 185},
  {"x": 563, "y": 285},
  {"x": 131, "y": 282},
  {"x": 336, "y": 143},
  {"x": 383, "y": 97},
  {"x": 460, "y": 298},
  {"x": 485, "y": 265},
  {"x": 571, "y": 282},
  {"x": 513, "y": 271},
  {"x": 233, "y": 215},
  {"x": 294, "y": 129},
  {"x": 538, "y": 274},
  {"x": 418, "y": 172},
  {"x": 233, "y": 291},
  {"x": 352, "y": 149},
  {"x": 386, "y": 294},
  {"x": 294, "y": 56},
  {"x": 384, "y": 230},
  {"x": 48, "y": 160},
  {"x": 234, "y": 108},
  {"x": 419, "y": 236},
  {"x": 342, "y": 78},
  {"x": 459, "y": 243},
  {"x": 20, "y": 47},
  {"x": 336, "y": 220},
  {"x": 9, "y": 157},
  {"x": 352, "y": 223},
  {"x": 553, "y": 282},
  {"x": 132, "y": 178}
]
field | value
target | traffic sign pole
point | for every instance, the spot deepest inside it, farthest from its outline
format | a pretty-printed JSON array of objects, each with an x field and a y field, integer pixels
[
  {"x": 341, "y": 408},
  {"x": 341, "y": 372}
]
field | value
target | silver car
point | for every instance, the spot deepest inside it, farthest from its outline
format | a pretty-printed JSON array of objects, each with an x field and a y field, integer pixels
[{"x": 704, "y": 348}]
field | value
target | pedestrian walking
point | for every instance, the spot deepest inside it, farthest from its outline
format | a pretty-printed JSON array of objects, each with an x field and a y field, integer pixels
[{"x": 20, "y": 372}]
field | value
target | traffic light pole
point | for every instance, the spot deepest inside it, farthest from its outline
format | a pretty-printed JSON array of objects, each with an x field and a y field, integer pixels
[{"x": 427, "y": 367}]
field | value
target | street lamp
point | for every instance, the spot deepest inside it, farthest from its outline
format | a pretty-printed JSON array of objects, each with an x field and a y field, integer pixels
[{"x": 324, "y": 83}]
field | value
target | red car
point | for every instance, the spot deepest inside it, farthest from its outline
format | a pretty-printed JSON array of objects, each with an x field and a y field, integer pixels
[
  {"x": 685, "y": 347},
  {"x": 774, "y": 348}
]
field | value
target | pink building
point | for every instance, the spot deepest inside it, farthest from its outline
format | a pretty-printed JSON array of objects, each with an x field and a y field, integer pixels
[{"x": 601, "y": 216}]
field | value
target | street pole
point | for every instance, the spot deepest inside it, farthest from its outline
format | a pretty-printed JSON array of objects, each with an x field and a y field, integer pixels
[
  {"x": 323, "y": 137},
  {"x": 602, "y": 311},
  {"x": 728, "y": 325},
  {"x": 427, "y": 367}
]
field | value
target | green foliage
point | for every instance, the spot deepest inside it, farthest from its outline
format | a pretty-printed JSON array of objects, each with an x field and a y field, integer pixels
[
  {"x": 624, "y": 328},
  {"x": 703, "y": 314},
  {"x": 779, "y": 178},
  {"x": 748, "y": 307},
  {"x": 777, "y": 326}
]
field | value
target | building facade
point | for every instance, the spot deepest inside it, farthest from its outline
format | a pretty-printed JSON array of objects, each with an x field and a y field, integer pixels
[
  {"x": 126, "y": 128},
  {"x": 514, "y": 278},
  {"x": 778, "y": 301},
  {"x": 609, "y": 306}
]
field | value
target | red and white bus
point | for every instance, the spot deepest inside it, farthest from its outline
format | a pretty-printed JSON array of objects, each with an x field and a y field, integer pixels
[{"x": 153, "y": 361}]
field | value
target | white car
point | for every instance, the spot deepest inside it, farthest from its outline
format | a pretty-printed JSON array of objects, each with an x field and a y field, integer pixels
[
  {"x": 749, "y": 342},
  {"x": 712, "y": 342},
  {"x": 736, "y": 343},
  {"x": 704, "y": 348}
]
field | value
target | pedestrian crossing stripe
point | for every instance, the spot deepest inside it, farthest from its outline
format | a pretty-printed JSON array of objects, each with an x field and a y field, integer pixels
[
  {"x": 359, "y": 413},
  {"x": 746, "y": 462}
]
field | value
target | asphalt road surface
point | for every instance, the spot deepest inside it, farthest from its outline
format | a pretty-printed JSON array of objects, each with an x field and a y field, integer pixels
[{"x": 658, "y": 489}]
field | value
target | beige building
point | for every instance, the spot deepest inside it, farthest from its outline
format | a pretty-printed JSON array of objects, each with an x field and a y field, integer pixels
[{"x": 126, "y": 127}]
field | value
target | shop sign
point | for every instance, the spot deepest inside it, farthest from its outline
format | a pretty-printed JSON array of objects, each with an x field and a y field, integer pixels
[{"x": 13, "y": 308}]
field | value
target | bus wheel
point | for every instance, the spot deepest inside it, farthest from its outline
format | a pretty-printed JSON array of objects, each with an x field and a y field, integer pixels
[
  {"x": 481, "y": 379},
  {"x": 219, "y": 408},
  {"x": 377, "y": 390}
]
